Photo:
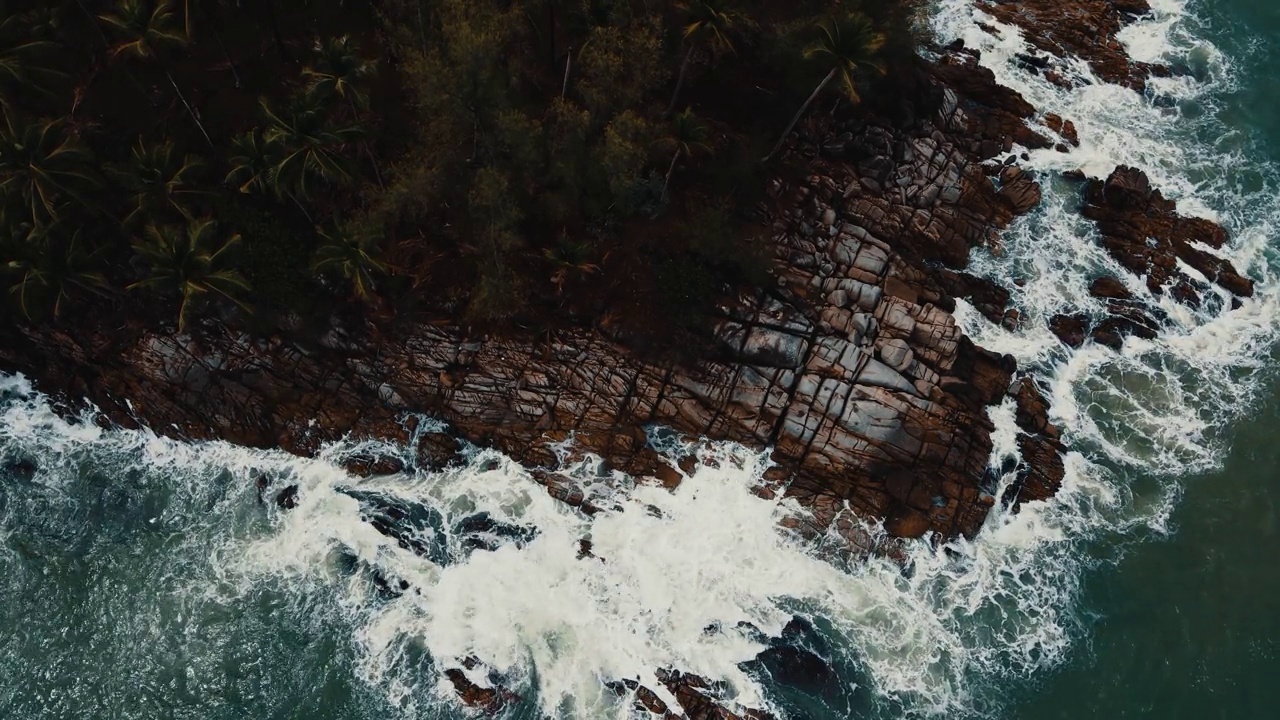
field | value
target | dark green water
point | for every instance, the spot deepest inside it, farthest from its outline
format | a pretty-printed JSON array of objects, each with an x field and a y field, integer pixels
[
  {"x": 1187, "y": 626},
  {"x": 144, "y": 579}
]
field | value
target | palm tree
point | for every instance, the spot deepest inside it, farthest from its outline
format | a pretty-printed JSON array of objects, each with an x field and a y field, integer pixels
[
  {"x": 351, "y": 254},
  {"x": 848, "y": 45},
  {"x": 689, "y": 137},
  {"x": 40, "y": 165},
  {"x": 710, "y": 23},
  {"x": 252, "y": 162},
  {"x": 159, "y": 180},
  {"x": 147, "y": 28},
  {"x": 339, "y": 70},
  {"x": 23, "y": 50},
  {"x": 310, "y": 147},
  {"x": 189, "y": 261},
  {"x": 50, "y": 266},
  {"x": 570, "y": 258}
]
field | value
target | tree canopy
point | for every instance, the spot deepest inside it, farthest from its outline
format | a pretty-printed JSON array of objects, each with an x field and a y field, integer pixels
[{"x": 532, "y": 162}]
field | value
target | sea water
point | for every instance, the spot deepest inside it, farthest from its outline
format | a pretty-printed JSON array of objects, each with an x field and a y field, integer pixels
[{"x": 142, "y": 577}]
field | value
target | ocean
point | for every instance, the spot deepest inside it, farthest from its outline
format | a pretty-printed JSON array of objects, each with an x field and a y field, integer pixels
[{"x": 142, "y": 577}]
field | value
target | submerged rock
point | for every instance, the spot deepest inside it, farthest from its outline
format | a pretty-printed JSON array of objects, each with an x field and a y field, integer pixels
[{"x": 287, "y": 499}]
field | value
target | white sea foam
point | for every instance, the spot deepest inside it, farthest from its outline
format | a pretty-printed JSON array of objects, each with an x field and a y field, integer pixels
[
  {"x": 1155, "y": 404},
  {"x": 679, "y": 580},
  {"x": 678, "y": 572}
]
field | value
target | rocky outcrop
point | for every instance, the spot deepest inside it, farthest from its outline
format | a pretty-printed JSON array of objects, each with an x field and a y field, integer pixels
[
  {"x": 696, "y": 697},
  {"x": 1042, "y": 470},
  {"x": 1086, "y": 29},
  {"x": 1144, "y": 232},
  {"x": 851, "y": 368}
]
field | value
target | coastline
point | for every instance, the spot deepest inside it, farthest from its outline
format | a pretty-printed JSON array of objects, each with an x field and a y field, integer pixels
[
  {"x": 853, "y": 368},
  {"x": 521, "y": 395}
]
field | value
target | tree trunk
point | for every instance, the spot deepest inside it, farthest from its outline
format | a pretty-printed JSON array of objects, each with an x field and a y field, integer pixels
[
  {"x": 301, "y": 207},
  {"x": 364, "y": 144},
  {"x": 190, "y": 111},
  {"x": 565, "y": 86},
  {"x": 791, "y": 126},
  {"x": 217, "y": 36},
  {"x": 93, "y": 20},
  {"x": 671, "y": 169},
  {"x": 275, "y": 29},
  {"x": 684, "y": 65},
  {"x": 422, "y": 30}
]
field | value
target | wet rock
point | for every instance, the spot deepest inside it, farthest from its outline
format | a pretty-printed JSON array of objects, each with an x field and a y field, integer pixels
[
  {"x": 365, "y": 465},
  {"x": 1033, "y": 410},
  {"x": 489, "y": 700},
  {"x": 1087, "y": 29},
  {"x": 799, "y": 658},
  {"x": 1064, "y": 128},
  {"x": 1070, "y": 329},
  {"x": 906, "y": 522},
  {"x": 1041, "y": 473},
  {"x": 1144, "y": 232},
  {"x": 1109, "y": 287},
  {"x": 1019, "y": 189},
  {"x": 288, "y": 498}
]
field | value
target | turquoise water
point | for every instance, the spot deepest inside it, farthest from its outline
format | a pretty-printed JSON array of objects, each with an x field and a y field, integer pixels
[
  {"x": 143, "y": 578},
  {"x": 1187, "y": 626}
]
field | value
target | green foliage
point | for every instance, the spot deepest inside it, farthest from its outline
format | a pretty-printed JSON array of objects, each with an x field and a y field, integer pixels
[
  {"x": 274, "y": 255},
  {"x": 711, "y": 22},
  {"x": 191, "y": 262},
  {"x": 339, "y": 70},
  {"x": 848, "y": 45},
  {"x": 621, "y": 66},
  {"x": 571, "y": 260},
  {"x": 144, "y": 28},
  {"x": 352, "y": 254},
  {"x": 845, "y": 46},
  {"x": 688, "y": 138},
  {"x": 49, "y": 265},
  {"x": 496, "y": 214},
  {"x": 532, "y": 147},
  {"x": 719, "y": 243},
  {"x": 161, "y": 183},
  {"x": 253, "y": 162},
  {"x": 41, "y": 168},
  {"x": 623, "y": 157},
  {"x": 26, "y": 54},
  {"x": 311, "y": 147}
]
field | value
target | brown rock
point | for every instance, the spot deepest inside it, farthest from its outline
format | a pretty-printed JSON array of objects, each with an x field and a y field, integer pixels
[
  {"x": 1019, "y": 189},
  {"x": 1033, "y": 410},
  {"x": 1144, "y": 232},
  {"x": 1064, "y": 128},
  {"x": 1109, "y": 287},
  {"x": 1070, "y": 329},
  {"x": 906, "y": 522},
  {"x": 1085, "y": 28}
]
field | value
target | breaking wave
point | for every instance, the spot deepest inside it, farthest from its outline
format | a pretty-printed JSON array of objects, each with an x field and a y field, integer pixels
[{"x": 146, "y": 573}]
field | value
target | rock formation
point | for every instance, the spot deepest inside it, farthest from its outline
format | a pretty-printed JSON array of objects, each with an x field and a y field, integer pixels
[{"x": 851, "y": 367}]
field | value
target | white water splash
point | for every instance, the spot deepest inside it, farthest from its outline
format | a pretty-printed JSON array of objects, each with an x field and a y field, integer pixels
[
  {"x": 1155, "y": 405},
  {"x": 683, "y": 579},
  {"x": 677, "y": 572}
]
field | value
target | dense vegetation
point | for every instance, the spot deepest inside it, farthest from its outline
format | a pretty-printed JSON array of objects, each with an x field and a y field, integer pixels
[{"x": 525, "y": 162}]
